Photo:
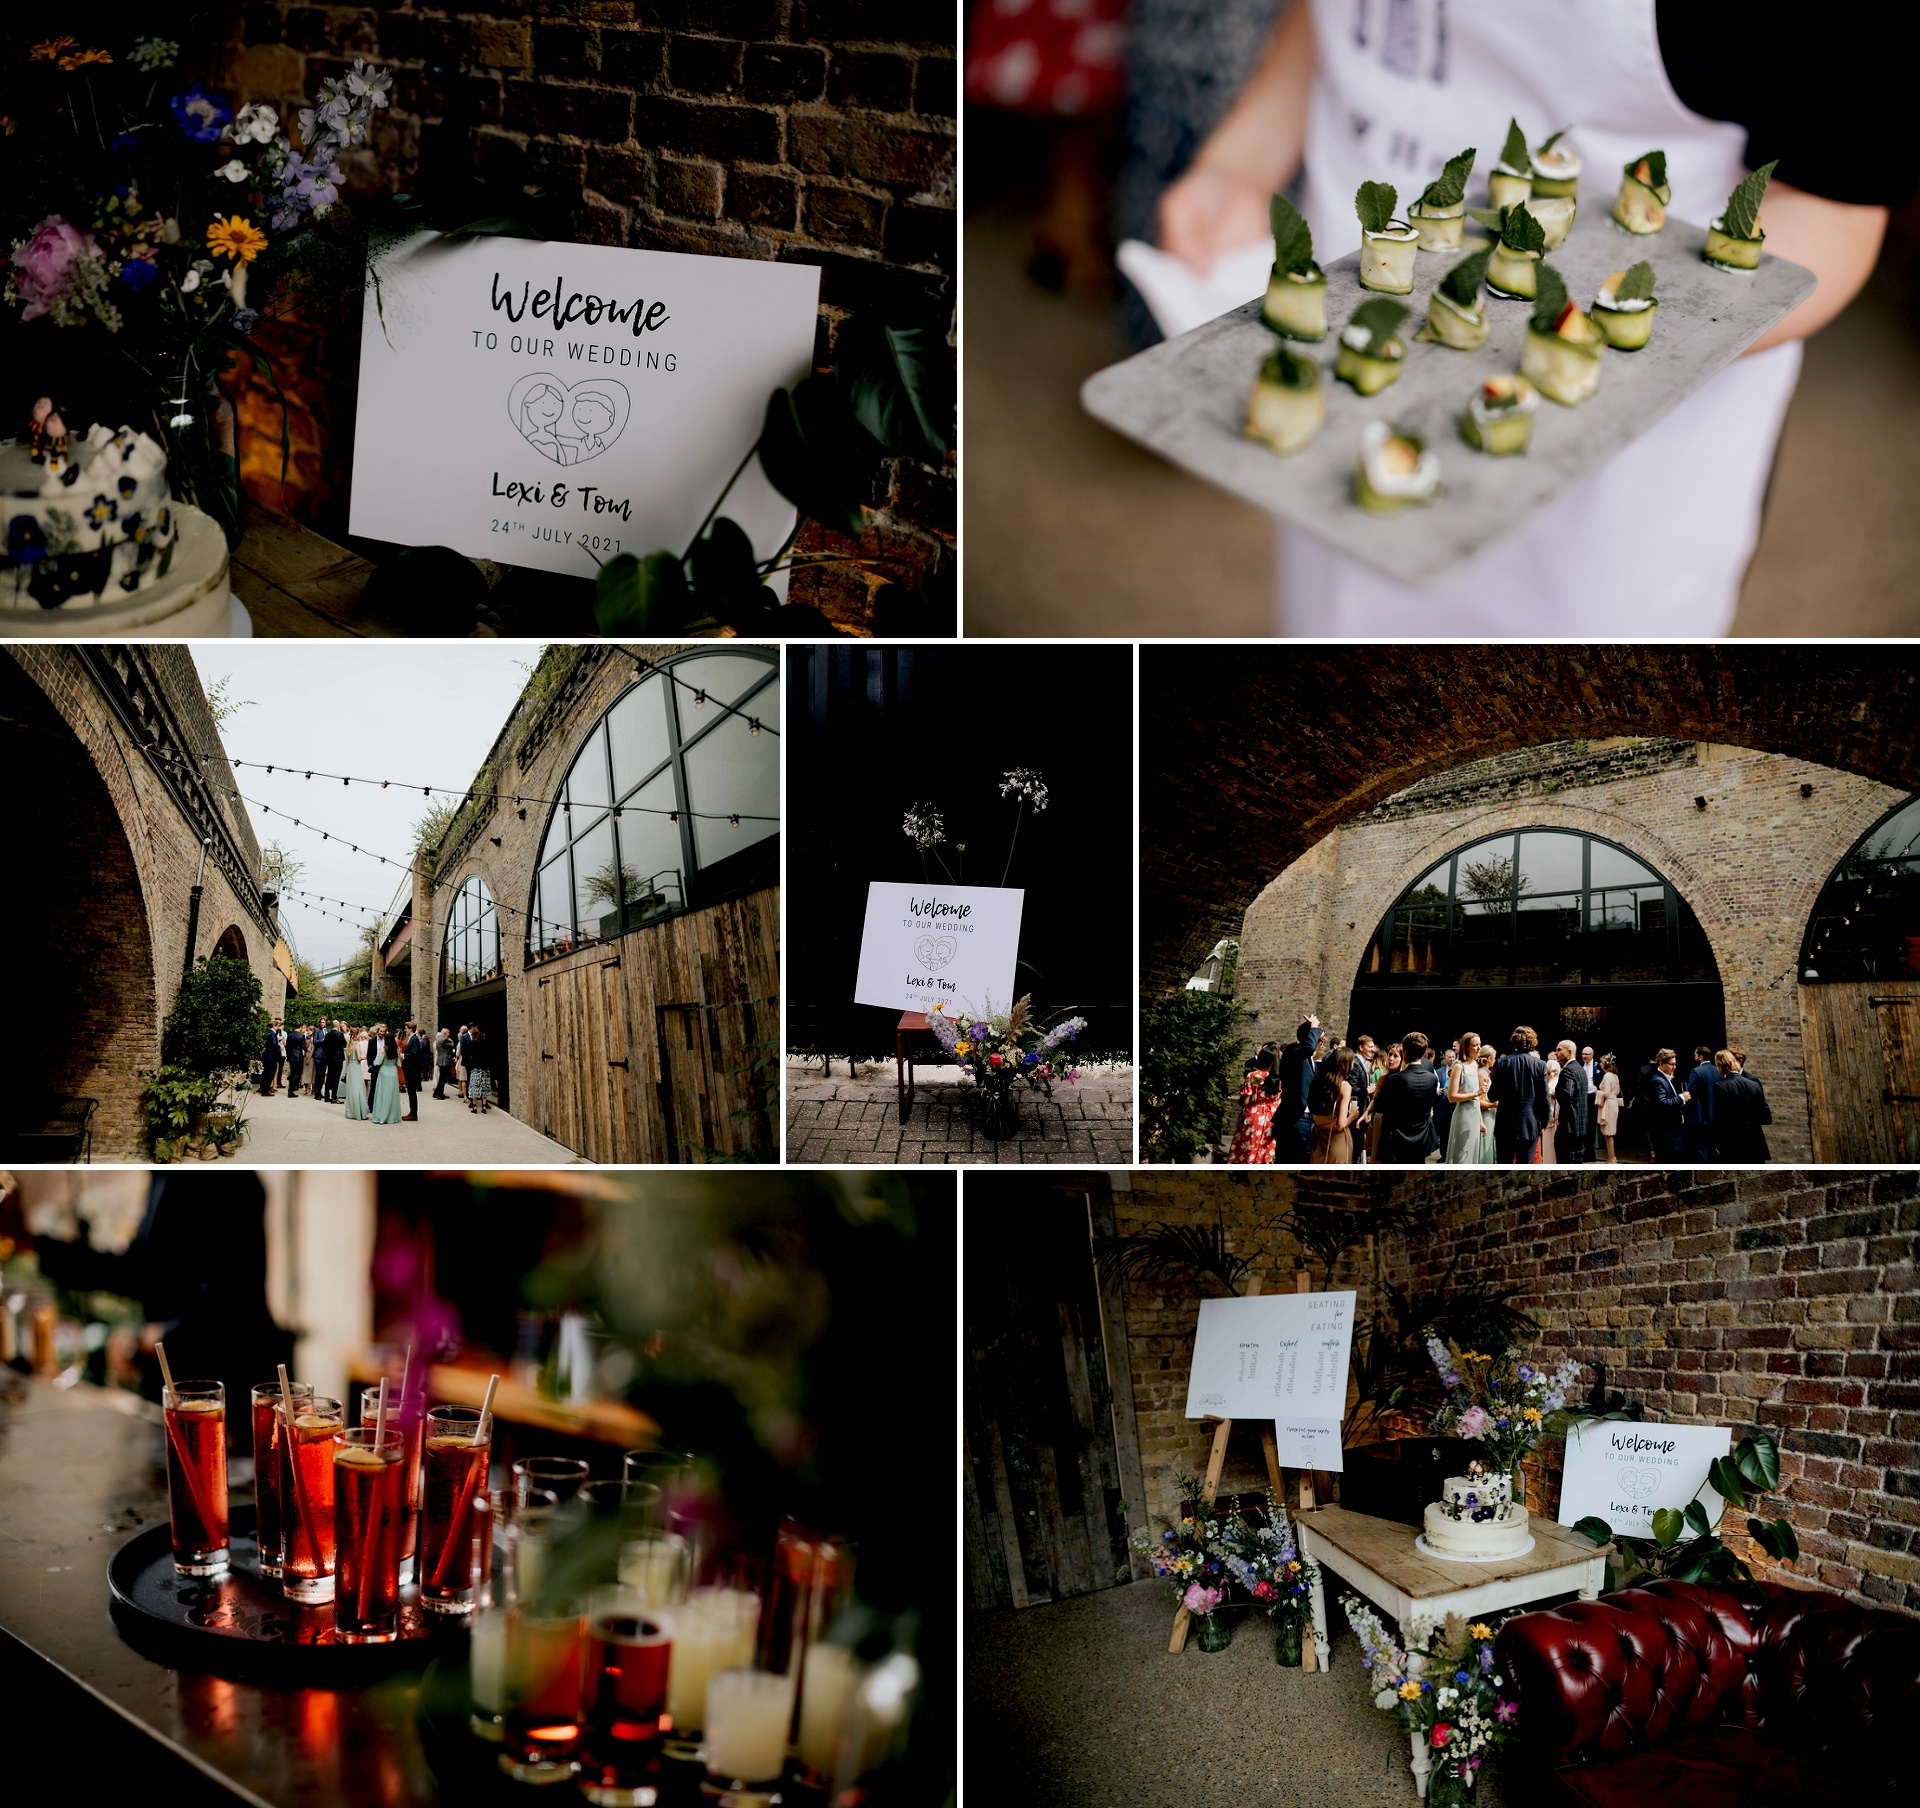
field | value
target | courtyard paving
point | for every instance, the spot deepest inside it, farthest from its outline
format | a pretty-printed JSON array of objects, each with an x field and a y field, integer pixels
[
  {"x": 302, "y": 1133},
  {"x": 848, "y": 1121}
]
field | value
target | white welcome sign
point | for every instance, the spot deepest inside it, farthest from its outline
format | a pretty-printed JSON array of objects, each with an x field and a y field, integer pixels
[
  {"x": 1623, "y": 1472},
  {"x": 1279, "y": 1356},
  {"x": 952, "y": 945},
  {"x": 555, "y": 405}
]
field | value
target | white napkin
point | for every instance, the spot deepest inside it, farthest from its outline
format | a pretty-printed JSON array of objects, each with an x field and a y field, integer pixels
[{"x": 1179, "y": 299}]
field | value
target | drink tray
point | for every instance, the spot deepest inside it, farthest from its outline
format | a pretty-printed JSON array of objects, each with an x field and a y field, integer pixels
[{"x": 240, "y": 1625}]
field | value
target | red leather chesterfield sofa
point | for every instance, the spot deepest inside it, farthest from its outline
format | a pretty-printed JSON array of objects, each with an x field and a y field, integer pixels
[{"x": 1753, "y": 1696}]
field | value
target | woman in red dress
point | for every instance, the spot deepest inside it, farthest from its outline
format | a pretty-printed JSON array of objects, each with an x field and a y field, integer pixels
[{"x": 1253, "y": 1140}]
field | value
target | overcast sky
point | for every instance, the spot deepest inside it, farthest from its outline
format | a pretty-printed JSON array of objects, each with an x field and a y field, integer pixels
[{"x": 425, "y": 714}]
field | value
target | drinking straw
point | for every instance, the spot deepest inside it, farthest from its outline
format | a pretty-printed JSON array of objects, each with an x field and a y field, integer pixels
[
  {"x": 486, "y": 1407},
  {"x": 453, "y": 1542},
  {"x": 406, "y": 1375},
  {"x": 293, "y": 1465},
  {"x": 180, "y": 1449},
  {"x": 366, "y": 1539}
]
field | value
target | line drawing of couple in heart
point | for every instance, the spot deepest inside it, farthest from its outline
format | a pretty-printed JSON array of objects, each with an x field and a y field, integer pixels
[{"x": 568, "y": 425}]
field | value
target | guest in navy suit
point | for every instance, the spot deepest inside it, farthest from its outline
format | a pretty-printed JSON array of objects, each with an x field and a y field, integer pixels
[
  {"x": 1519, "y": 1094},
  {"x": 1697, "y": 1139},
  {"x": 1669, "y": 1106},
  {"x": 1574, "y": 1090}
]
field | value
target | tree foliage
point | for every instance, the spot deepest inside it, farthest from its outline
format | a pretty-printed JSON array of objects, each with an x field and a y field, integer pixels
[
  {"x": 216, "y": 1025},
  {"x": 1192, "y": 1045}
]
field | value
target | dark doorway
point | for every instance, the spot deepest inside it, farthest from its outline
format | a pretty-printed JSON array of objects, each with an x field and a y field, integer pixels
[{"x": 485, "y": 1007}]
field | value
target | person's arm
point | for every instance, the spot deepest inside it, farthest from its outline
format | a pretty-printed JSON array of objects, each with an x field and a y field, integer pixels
[
  {"x": 1839, "y": 243},
  {"x": 1221, "y": 202}
]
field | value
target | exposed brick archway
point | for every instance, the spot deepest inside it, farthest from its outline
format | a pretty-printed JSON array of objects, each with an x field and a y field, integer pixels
[
  {"x": 1251, "y": 755},
  {"x": 232, "y": 943}
]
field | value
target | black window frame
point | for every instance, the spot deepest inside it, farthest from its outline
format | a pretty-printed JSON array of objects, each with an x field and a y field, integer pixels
[
  {"x": 488, "y": 976},
  {"x": 1841, "y": 906}
]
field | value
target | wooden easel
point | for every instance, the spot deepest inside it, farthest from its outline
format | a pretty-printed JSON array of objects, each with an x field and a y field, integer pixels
[{"x": 1217, "y": 1461}]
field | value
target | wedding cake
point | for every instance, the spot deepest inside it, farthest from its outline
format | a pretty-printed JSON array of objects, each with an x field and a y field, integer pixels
[
  {"x": 1476, "y": 1517},
  {"x": 96, "y": 546}
]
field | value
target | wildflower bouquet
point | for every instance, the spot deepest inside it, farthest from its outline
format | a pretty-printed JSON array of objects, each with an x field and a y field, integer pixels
[
  {"x": 1266, "y": 1561},
  {"x": 1446, "y": 1686},
  {"x": 1499, "y": 1401},
  {"x": 1002, "y": 1050},
  {"x": 150, "y": 222},
  {"x": 1195, "y": 1557}
]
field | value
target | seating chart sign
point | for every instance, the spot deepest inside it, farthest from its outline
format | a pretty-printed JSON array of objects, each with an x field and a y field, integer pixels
[
  {"x": 1622, "y": 1471},
  {"x": 556, "y": 405},
  {"x": 951, "y": 945},
  {"x": 1278, "y": 1356}
]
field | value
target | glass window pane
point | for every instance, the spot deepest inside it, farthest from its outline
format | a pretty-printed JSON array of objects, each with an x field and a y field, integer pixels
[
  {"x": 1418, "y": 949},
  {"x": 596, "y": 912},
  {"x": 1431, "y": 889},
  {"x": 587, "y": 778},
  {"x": 1612, "y": 867},
  {"x": 556, "y": 837},
  {"x": 550, "y": 932},
  {"x": 1486, "y": 871},
  {"x": 1547, "y": 941},
  {"x": 1550, "y": 862},
  {"x": 637, "y": 730},
  {"x": 732, "y": 769},
  {"x": 650, "y": 856},
  {"x": 726, "y": 676}
]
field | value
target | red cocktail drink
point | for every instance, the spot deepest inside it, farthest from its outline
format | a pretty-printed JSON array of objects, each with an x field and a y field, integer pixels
[
  {"x": 624, "y": 1684},
  {"x": 369, "y": 1514},
  {"x": 196, "y": 1423},
  {"x": 453, "y": 1530},
  {"x": 268, "y": 1532},
  {"x": 306, "y": 1498},
  {"x": 543, "y": 1697},
  {"x": 407, "y": 1417}
]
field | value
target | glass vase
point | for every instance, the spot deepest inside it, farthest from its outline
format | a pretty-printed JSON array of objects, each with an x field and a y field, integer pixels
[
  {"x": 1447, "y": 1788},
  {"x": 1286, "y": 1643},
  {"x": 997, "y": 1113},
  {"x": 1517, "y": 1476},
  {"x": 1211, "y": 1631}
]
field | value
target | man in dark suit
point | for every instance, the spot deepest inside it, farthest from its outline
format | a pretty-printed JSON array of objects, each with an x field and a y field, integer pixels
[
  {"x": 1292, "y": 1075},
  {"x": 1740, "y": 1111},
  {"x": 442, "y": 1061},
  {"x": 1574, "y": 1090},
  {"x": 1520, "y": 1104},
  {"x": 1697, "y": 1138},
  {"x": 296, "y": 1059},
  {"x": 270, "y": 1062},
  {"x": 464, "y": 1046},
  {"x": 333, "y": 1056},
  {"x": 1404, "y": 1104},
  {"x": 413, "y": 1068},
  {"x": 1669, "y": 1104},
  {"x": 1360, "y": 1076},
  {"x": 1588, "y": 1061}
]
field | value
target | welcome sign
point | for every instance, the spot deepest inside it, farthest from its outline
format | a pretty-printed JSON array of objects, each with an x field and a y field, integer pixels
[
  {"x": 1622, "y": 1471},
  {"x": 952, "y": 945},
  {"x": 555, "y": 405}
]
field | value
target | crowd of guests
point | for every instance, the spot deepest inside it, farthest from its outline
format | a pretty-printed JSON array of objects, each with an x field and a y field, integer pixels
[
  {"x": 1321, "y": 1098},
  {"x": 368, "y": 1070}
]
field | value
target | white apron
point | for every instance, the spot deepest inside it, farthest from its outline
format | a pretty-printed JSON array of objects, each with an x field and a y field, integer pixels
[{"x": 1404, "y": 84}]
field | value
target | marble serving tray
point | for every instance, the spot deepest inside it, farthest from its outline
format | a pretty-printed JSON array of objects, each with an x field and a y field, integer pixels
[{"x": 1187, "y": 399}]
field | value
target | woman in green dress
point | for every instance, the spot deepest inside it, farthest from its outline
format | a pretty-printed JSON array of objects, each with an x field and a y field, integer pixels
[
  {"x": 386, "y": 1080},
  {"x": 353, "y": 1082}
]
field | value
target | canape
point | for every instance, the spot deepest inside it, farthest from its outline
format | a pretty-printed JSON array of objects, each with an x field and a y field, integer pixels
[
  {"x": 1555, "y": 214},
  {"x": 1625, "y": 307},
  {"x": 1439, "y": 216},
  {"x": 1735, "y": 238},
  {"x": 1296, "y": 302},
  {"x": 1641, "y": 205},
  {"x": 1514, "y": 262},
  {"x": 1288, "y": 403},
  {"x": 1510, "y": 181},
  {"x": 1556, "y": 167},
  {"x": 1397, "y": 468},
  {"x": 1457, "y": 310},
  {"x": 1387, "y": 245},
  {"x": 1371, "y": 352},
  {"x": 1562, "y": 354},
  {"x": 1499, "y": 415}
]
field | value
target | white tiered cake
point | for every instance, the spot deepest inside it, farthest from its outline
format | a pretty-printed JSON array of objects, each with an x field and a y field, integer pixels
[{"x": 1476, "y": 1517}]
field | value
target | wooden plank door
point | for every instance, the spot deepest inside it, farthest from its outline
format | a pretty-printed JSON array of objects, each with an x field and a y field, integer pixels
[
  {"x": 686, "y": 1082},
  {"x": 621, "y": 1117},
  {"x": 1898, "y": 1021}
]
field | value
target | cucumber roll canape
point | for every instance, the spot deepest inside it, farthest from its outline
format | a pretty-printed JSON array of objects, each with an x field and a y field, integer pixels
[
  {"x": 1440, "y": 215},
  {"x": 1370, "y": 352},
  {"x": 1387, "y": 245},
  {"x": 1555, "y": 214},
  {"x": 1288, "y": 404},
  {"x": 1562, "y": 355},
  {"x": 1625, "y": 307},
  {"x": 1396, "y": 468},
  {"x": 1556, "y": 167},
  {"x": 1499, "y": 417},
  {"x": 1641, "y": 205},
  {"x": 1514, "y": 262},
  {"x": 1296, "y": 303},
  {"x": 1510, "y": 181},
  {"x": 1457, "y": 313},
  {"x": 1734, "y": 240}
]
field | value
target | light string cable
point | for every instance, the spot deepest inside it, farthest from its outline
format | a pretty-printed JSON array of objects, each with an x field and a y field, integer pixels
[{"x": 645, "y": 668}]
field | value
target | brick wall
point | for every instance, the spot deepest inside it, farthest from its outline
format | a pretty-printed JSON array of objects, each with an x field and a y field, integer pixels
[
  {"x": 1783, "y": 1299},
  {"x": 1751, "y": 864},
  {"x": 803, "y": 133}
]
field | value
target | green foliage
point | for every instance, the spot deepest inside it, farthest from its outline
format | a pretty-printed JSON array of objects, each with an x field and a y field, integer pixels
[
  {"x": 1637, "y": 284},
  {"x": 639, "y": 596},
  {"x": 306, "y": 1012},
  {"x": 222, "y": 705},
  {"x": 816, "y": 453},
  {"x": 1381, "y": 316},
  {"x": 1742, "y": 217},
  {"x": 1520, "y": 231},
  {"x": 1192, "y": 1044},
  {"x": 1292, "y": 236},
  {"x": 1462, "y": 282},
  {"x": 431, "y": 828},
  {"x": 307, "y": 978},
  {"x": 1288, "y": 370},
  {"x": 1451, "y": 188},
  {"x": 1546, "y": 144},
  {"x": 280, "y": 867},
  {"x": 1514, "y": 154},
  {"x": 216, "y": 1025},
  {"x": 1549, "y": 298},
  {"x": 724, "y": 579},
  {"x": 172, "y": 1097},
  {"x": 1656, "y": 162},
  {"x": 1184, "y": 1255},
  {"x": 899, "y": 384},
  {"x": 1374, "y": 202}
]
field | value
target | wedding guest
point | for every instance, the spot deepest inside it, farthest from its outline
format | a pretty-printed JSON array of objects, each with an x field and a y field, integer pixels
[
  {"x": 1740, "y": 1110},
  {"x": 1464, "y": 1132},
  {"x": 1360, "y": 1077},
  {"x": 1252, "y": 1144},
  {"x": 1608, "y": 1115},
  {"x": 1291, "y": 1077},
  {"x": 355, "y": 1079},
  {"x": 479, "y": 1079},
  {"x": 333, "y": 1051},
  {"x": 1330, "y": 1099},
  {"x": 1443, "y": 1068},
  {"x": 1405, "y": 1105},
  {"x": 1593, "y": 1105},
  {"x": 1392, "y": 1060},
  {"x": 1550, "y": 1129},
  {"x": 1669, "y": 1106},
  {"x": 386, "y": 1079},
  {"x": 1697, "y": 1138},
  {"x": 465, "y": 1046},
  {"x": 442, "y": 1061},
  {"x": 1574, "y": 1092},
  {"x": 1484, "y": 1151},
  {"x": 270, "y": 1061},
  {"x": 1519, "y": 1094},
  {"x": 413, "y": 1068},
  {"x": 296, "y": 1059}
]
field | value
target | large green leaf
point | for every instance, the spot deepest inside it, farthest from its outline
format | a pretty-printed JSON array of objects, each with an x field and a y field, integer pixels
[
  {"x": 1776, "y": 1537},
  {"x": 1596, "y": 1529},
  {"x": 1292, "y": 236},
  {"x": 1667, "y": 1524},
  {"x": 899, "y": 383},
  {"x": 1727, "y": 1481},
  {"x": 1697, "y": 1520},
  {"x": 816, "y": 454},
  {"x": 1374, "y": 202},
  {"x": 1758, "y": 1458},
  {"x": 1742, "y": 217},
  {"x": 640, "y": 596}
]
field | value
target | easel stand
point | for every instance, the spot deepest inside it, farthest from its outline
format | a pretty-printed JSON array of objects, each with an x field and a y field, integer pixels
[{"x": 1217, "y": 1461}]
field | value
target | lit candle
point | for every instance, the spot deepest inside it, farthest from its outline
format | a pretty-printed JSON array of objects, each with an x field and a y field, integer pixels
[
  {"x": 747, "y": 1716},
  {"x": 714, "y": 1631}
]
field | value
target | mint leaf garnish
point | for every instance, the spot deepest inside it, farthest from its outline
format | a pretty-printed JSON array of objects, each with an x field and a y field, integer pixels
[
  {"x": 1452, "y": 186},
  {"x": 1636, "y": 285},
  {"x": 1656, "y": 162},
  {"x": 1513, "y": 155},
  {"x": 1743, "y": 205},
  {"x": 1462, "y": 283},
  {"x": 1292, "y": 236},
  {"x": 1288, "y": 370},
  {"x": 1549, "y": 298},
  {"x": 1380, "y": 315},
  {"x": 1492, "y": 218},
  {"x": 1374, "y": 203},
  {"x": 1521, "y": 231},
  {"x": 1547, "y": 144}
]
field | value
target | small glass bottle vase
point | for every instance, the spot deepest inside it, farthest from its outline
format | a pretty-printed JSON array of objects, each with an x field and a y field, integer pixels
[
  {"x": 1286, "y": 1643},
  {"x": 1517, "y": 1477},
  {"x": 1446, "y": 1788},
  {"x": 1211, "y": 1631}
]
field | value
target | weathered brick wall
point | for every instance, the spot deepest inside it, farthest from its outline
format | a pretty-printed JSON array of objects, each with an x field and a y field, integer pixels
[
  {"x": 1751, "y": 864},
  {"x": 1784, "y": 1299},
  {"x": 819, "y": 134}
]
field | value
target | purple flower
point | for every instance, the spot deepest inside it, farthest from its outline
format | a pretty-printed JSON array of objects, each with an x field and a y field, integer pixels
[
  {"x": 202, "y": 116},
  {"x": 125, "y": 142},
  {"x": 136, "y": 273},
  {"x": 245, "y": 319},
  {"x": 25, "y": 541},
  {"x": 978, "y": 1032}
]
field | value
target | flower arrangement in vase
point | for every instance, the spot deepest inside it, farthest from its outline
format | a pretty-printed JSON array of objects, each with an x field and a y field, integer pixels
[
  {"x": 1500, "y": 1402},
  {"x": 1195, "y": 1557},
  {"x": 1002, "y": 1051},
  {"x": 1267, "y": 1562}
]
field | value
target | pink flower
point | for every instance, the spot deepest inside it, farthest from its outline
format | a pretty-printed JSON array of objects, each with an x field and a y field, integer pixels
[
  {"x": 1473, "y": 1421},
  {"x": 1201, "y": 1600},
  {"x": 43, "y": 265}
]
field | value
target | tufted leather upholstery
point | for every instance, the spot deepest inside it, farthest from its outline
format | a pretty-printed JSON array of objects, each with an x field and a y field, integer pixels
[{"x": 1711, "y": 1697}]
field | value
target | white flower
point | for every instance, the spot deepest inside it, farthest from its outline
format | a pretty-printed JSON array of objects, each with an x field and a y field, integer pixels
[
  {"x": 189, "y": 282},
  {"x": 255, "y": 124},
  {"x": 233, "y": 170},
  {"x": 152, "y": 53},
  {"x": 924, "y": 826},
  {"x": 1027, "y": 784},
  {"x": 1387, "y": 1698}
]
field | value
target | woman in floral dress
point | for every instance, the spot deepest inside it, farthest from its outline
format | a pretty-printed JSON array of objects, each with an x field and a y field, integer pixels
[{"x": 1253, "y": 1140}]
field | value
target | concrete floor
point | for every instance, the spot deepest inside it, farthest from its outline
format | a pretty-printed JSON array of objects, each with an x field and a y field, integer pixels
[
  {"x": 1079, "y": 1705},
  {"x": 1071, "y": 530},
  {"x": 299, "y": 1132}
]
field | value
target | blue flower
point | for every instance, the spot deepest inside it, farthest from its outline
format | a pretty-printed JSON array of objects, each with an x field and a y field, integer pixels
[
  {"x": 101, "y": 510},
  {"x": 202, "y": 116},
  {"x": 1460, "y": 1676},
  {"x": 979, "y": 1032},
  {"x": 136, "y": 273},
  {"x": 125, "y": 142},
  {"x": 128, "y": 484},
  {"x": 25, "y": 541},
  {"x": 245, "y": 319}
]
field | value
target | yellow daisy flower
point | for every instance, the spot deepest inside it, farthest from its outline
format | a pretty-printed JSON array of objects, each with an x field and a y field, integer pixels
[
  {"x": 1409, "y": 1690},
  {"x": 53, "y": 49},
  {"x": 1480, "y": 1632},
  {"x": 236, "y": 238},
  {"x": 80, "y": 58},
  {"x": 963, "y": 1048}
]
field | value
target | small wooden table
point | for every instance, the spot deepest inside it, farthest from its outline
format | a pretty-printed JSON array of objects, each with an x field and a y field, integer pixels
[
  {"x": 911, "y": 1024},
  {"x": 1378, "y": 1558}
]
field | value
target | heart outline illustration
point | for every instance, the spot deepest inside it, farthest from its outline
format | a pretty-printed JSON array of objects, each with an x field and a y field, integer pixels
[
  {"x": 548, "y": 414},
  {"x": 935, "y": 951},
  {"x": 1637, "y": 1484}
]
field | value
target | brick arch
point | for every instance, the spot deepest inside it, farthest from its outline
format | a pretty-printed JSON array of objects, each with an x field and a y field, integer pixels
[
  {"x": 1250, "y": 756},
  {"x": 232, "y": 943}
]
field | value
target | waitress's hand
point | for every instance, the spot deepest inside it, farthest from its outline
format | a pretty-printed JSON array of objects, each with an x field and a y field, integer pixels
[{"x": 1208, "y": 213}]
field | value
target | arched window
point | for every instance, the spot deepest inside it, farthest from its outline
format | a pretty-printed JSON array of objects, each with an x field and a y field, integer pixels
[
  {"x": 1543, "y": 907},
  {"x": 471, "y": 954},
  {"x": 1866, "y": 924},
  {"x": 669, "y": 804}
]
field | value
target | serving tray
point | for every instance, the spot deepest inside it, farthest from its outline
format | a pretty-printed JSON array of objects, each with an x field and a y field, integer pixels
[
  {"x": 1186, "y": 400},
  {"x": 241, "y": 1625}
]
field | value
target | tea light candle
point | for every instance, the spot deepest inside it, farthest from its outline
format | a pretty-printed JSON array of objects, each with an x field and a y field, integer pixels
[
  {"x": 714, "y": 1631},
  {"x": 748, "y": 1712},
  {"x": 827, "y": 1685},
  {"x": 656, "y": 1565}
]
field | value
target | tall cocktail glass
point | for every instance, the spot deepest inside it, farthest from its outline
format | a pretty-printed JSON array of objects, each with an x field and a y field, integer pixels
[
  {"x": 268, "y": 1532},
  {"x": 306, "y": 1495},
  {"x": 456, "y": 1525},
  {"x": 629, "y": 1649},
  {"x": 407, "y": 1416},
  {"x": 370, "y": 1512},
  {"x": 543, "y": 1721},
  {"x": 196, "y": 1424}
]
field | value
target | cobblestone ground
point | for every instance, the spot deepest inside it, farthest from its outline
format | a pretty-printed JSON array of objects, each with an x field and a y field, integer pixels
[{"x": 844, "y": 1121}]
